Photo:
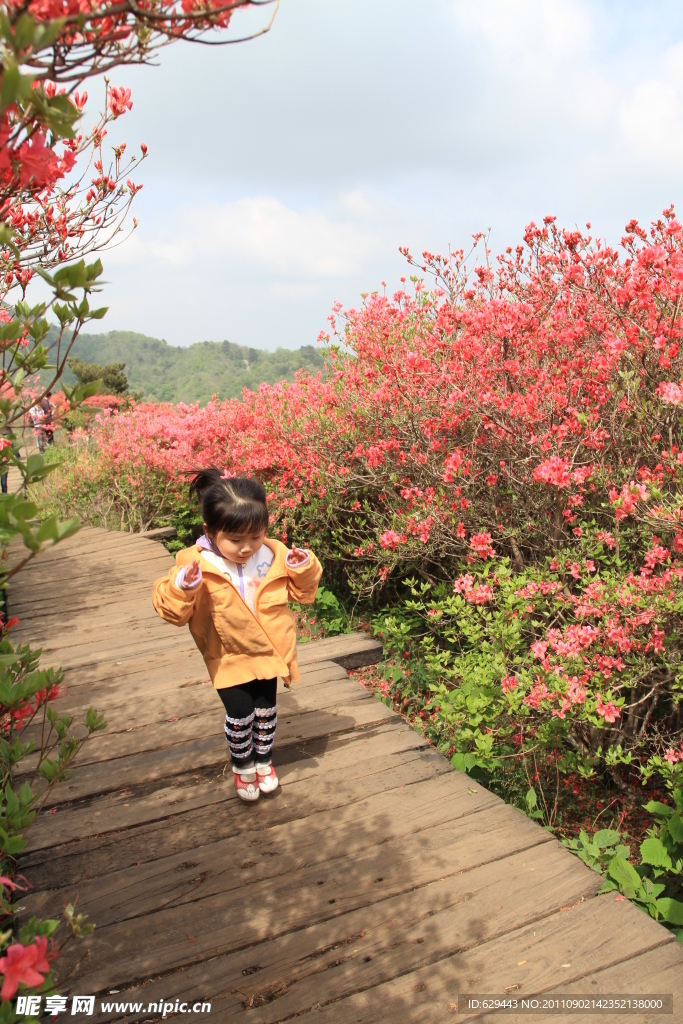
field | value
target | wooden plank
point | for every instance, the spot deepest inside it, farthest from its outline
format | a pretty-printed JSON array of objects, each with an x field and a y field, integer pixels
[
  {"x": 375, "y": 875},
  {"x": 115, "y": 896},
  {"x": 117, "y": 655},
  {"x": 382, "y": 761},
  {"x": 160, "y": 533},
  {"x": 90, "y": 540},
  {"x": 157, "y": 719},
  {"x": 148, "y": 693},
  {"x": 177, "y": 665},
  {"x": 190, "y": 755},
  {"x": 117, "y": 559},
  {"x": 92, "y": 655},
  {"x": 282, "y": 978},
  {"x": 590, "y": 936},
  {"x": 393, "y": 853},
  {"x": 352, "y": 650},
  {"x": 118, "y": 829},
  {"x": 168, "y": 730}
]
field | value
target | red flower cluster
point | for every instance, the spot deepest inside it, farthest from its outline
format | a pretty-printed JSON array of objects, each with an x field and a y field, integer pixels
[{"x": 495, "y": 410}]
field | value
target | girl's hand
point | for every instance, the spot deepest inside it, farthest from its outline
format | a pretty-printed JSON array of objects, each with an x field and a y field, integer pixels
[
  {"x": 191, "y": 573},
  {"x": 296, "y": 556}
]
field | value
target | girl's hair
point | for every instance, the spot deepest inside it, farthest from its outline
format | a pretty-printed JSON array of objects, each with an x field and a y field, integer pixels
[{"x": 231, "y": 504}]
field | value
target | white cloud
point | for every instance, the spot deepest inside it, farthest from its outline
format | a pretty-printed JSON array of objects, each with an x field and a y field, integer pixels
[
  {"x": 541, "y": 55},
  {"x": 286, "y": 241},
  {"x": 651, "y": 119},
  {"x": 261, "y": 231},
  {"x": 537, "y": 30},
  {"x": 355, "y": 127}
]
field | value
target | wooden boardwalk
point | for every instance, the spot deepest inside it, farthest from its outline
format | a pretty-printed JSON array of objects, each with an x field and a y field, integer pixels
[{"x": 376, "y": 885}]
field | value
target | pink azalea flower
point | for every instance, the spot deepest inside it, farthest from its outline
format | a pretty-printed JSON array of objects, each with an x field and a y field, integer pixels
[
  {"x": 609, "y": 711},
  {"x": 24, "y": 965},
  {"x": 509, "y": 683}
]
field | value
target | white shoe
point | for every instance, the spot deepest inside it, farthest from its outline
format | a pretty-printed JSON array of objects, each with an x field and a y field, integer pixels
[
  {"x": 246, "y": 785},
  {"x": 266, "y": 778}
]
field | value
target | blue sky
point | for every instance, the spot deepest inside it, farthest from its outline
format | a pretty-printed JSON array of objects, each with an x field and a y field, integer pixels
[{"x": 284, "y": 173}]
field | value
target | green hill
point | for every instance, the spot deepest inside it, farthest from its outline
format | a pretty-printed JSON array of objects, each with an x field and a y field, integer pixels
[{"x": 168, "y": 373}]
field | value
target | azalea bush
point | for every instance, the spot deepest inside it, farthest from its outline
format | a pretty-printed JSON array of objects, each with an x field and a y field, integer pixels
[
  {"x": 31, "y": 731},
  {"x": 489, "y": 466},
  {"x": 576, "y": 656}
]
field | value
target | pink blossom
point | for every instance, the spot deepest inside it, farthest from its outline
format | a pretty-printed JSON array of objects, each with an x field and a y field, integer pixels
[
  {"x": 554, "y": 471},
  {"x": 391, "y": 539},
  {"x": 539, "y": 648},
  {"x": 463, "y": 583},
  {"x": 24, "y": 965},
  {"x": 538, "y": 693},
  {"x": 671, "y": 393},
  {"x": 452, "y": 465},
  {"x": 576, "y": 691},
  {"x": 509, "y": 683},
  {"x": 118, "y": 100},
  {"x": 480, "y": 543},
  {"x": 563, "y": 709},
  {"x": 609, "y": 711},
  {"x": 656, "y": 555}
]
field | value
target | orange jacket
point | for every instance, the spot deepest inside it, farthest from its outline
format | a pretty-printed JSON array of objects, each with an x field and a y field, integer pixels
[{"x": 236, "y": 645}]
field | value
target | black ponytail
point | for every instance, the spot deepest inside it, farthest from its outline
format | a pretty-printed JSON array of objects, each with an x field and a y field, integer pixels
[{"x": 230, "y": 504}]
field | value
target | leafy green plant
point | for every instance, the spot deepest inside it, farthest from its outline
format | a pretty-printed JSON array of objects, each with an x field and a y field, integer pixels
[
  {"x": 655, "y": 884},
  {"x": 326, "y": 616},
  {"x": 37, "y": 747}
]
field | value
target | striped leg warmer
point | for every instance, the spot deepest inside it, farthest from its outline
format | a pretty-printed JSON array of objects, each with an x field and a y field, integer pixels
[
  {"x": 238, "y": 732},
  {"x": 265, "y": 723}
]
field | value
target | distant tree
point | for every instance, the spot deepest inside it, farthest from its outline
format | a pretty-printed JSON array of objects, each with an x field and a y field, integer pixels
[{"x": 114, "y": 380}]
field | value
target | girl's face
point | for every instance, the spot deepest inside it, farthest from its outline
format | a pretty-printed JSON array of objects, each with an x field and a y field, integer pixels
[{"x": 238, "y": 547}]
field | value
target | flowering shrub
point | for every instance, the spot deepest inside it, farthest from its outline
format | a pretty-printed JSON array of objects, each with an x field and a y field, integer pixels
[
  {"x": 27, "y": 694},
  {"x": 542, "y": 660},
  {"x": 509, "y": 440}
]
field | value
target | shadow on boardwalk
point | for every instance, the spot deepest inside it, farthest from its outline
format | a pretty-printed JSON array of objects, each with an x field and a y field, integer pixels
[{"x": 376, "y": 885}]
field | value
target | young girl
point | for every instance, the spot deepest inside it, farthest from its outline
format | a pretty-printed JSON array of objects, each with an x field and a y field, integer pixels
[{"x": 233, "y": 587}]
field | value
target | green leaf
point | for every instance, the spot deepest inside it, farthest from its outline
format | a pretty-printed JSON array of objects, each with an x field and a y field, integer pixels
[
  {"x": 675, "y": 827},
  {"x": 9, "y": 86},
  {"x": 83, "y": 391},
  {"x": 47, "y": 530},
  {"x": 606, "y": 837},
  {"x": 661, "y": 810},
  {"x": 671, "y": 910},
  {"x": 624, "y": 873},
  {"x": 68, "y": 528},
  {"x": 464, "y": 762},
  {"x": 24, "y": 32},
  {"x": 13, "y": 844},
  {"x": 530, "y": 799},
  {"x": 653, "y": 851},
  {"x": 34, "y": 463},
  {"x": 24, "y": 510}
]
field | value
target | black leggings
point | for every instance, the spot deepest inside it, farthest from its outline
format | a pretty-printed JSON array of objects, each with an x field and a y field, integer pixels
[{"x": 250, "y": 720}]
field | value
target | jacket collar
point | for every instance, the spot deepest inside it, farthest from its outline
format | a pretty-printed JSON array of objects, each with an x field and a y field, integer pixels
[{"x": 277, "y": 569}]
